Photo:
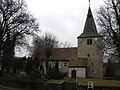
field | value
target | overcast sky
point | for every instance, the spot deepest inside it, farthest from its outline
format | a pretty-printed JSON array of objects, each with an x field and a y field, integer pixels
[{"x": 63, "y": 18}]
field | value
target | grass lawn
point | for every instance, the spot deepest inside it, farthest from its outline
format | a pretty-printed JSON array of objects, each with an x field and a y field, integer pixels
[
  {"x": 53, "y": 81},
  {"x": 97, "y": 82}
]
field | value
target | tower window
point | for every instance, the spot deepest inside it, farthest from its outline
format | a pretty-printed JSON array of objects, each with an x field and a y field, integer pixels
[{"x": 89, "y": 41}]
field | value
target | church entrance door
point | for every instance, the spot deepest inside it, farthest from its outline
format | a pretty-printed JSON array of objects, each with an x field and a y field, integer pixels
[{"x": 73, "y": 74}]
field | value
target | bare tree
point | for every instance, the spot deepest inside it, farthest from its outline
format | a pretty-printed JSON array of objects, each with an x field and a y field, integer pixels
[
  {"x": 44, "y": 46},
  {"x": 108, "y": 19},
  {"x": 65, "y": 44},
  {"x": 46, "y": 42},
  {"x": 15, "y": 23}
]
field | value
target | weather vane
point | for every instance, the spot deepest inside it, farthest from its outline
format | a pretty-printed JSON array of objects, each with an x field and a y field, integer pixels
[{"x": 89, "y": 3}]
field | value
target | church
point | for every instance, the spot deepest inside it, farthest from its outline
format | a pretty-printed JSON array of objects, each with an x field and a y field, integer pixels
[{"x": 83, "y": 61}]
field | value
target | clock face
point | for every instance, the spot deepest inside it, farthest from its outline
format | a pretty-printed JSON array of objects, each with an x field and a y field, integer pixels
[{"x": 96, "y": 39}]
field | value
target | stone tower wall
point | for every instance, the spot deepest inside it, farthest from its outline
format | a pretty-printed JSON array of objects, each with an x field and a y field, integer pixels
[{"x": 94, "y": 54}]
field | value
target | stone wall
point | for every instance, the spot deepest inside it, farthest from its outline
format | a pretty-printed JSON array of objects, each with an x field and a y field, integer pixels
[
  {"x": 24, "y": 84},
  {"x": 28, "y": 84}
]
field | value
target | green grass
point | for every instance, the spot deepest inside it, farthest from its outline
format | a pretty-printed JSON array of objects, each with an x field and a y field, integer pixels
[
  {"x": 97, "y": 82},
  {"x": 55, "y": 81}
]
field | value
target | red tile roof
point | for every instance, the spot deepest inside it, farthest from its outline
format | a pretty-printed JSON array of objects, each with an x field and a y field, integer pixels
[{"x": 60, "y": 54}]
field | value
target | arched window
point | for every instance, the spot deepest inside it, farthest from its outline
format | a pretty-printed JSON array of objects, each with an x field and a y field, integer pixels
[{"x": 89, "y": 41}]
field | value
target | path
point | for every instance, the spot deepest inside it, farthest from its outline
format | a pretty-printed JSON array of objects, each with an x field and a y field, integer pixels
[{"x": 8, "y": 88}]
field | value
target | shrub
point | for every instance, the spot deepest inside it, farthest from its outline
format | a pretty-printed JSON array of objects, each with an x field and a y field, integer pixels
[
  {"x": 118, "y": 77},
  {"x": 35, "y": 73}
]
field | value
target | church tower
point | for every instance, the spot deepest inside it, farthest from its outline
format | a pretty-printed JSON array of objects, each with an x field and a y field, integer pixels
[{"x": 90, "y": 47}]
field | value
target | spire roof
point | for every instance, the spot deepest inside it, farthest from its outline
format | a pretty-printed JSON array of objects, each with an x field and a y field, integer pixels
[{"x": 90, "y": 29}]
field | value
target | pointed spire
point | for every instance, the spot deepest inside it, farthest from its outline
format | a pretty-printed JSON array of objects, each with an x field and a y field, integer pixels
[{"x": 90, "y": 29}]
